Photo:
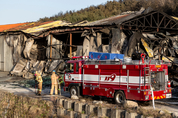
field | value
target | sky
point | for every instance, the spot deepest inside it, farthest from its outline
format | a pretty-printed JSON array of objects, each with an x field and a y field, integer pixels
[{"x": 20, "y": 11}]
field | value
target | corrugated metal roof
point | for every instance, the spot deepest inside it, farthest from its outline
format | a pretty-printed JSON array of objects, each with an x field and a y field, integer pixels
[
  {"x": 106, "y": 21},
  {"x": 4, "y": 28},
  {"x": 37, "y": 29},
  {"x": 57, "y": 24},
  {"x": 28, "y": 25}
]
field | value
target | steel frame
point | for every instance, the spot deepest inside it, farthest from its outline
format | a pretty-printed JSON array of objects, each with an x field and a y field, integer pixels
[{"x": 152, "y": 21}]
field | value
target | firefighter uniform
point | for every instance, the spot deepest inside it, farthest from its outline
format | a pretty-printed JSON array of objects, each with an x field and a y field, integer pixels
[
  {"x": 40, "y": 82},
  {"x": 59, "y": 84},
  {"x": 54, "y": 83}
]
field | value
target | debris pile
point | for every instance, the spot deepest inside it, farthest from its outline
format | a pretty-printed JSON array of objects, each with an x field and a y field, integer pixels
[
  {"x": 29, "y": 56},
  {"x": 156, "y": 46},
  {"x": 25, "y": 68}
]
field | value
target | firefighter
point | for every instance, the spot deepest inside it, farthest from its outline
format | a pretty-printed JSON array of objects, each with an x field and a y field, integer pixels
[
  {"x": 54, "y": 84},
  {"x": 59, "y": 84},
  {"x": 40, "y": 82},
  {"x": 34, "y": 72}
]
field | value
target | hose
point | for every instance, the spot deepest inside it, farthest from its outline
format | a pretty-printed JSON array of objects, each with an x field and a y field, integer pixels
[{"x": 152, "y": 97}]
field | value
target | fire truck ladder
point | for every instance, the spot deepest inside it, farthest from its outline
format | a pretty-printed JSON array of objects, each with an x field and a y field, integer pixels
[{"x": 146, "y": 74}]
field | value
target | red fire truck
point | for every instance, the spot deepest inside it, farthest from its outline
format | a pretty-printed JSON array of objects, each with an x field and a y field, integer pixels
[{"x": 121, "y": 80}]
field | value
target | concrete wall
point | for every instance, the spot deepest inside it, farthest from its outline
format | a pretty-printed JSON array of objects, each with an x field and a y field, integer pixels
[
  {"x": 1, "y": 53},
  {"x": 8, "y": 59}
]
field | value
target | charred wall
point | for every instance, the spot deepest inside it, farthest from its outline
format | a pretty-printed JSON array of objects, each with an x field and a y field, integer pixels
[{"x": 48, "y": 53}]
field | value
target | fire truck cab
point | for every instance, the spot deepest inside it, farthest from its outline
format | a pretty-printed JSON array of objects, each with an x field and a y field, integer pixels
[{"x": 141, "y": 80}]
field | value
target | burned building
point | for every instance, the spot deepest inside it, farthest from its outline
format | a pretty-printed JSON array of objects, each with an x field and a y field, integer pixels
[{"x": 45, "y": 46}]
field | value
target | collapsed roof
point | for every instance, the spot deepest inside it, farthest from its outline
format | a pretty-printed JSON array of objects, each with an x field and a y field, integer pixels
[
  {"x": 42, "y": 29},
  {"x": 148, "y": 20}
]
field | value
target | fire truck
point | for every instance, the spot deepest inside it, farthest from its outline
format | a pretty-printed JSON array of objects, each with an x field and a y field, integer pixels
[{"x": 141, "y": 80}]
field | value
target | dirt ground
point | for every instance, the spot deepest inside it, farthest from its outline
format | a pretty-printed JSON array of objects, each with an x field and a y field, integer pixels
[{"x": 11, "y": 84}]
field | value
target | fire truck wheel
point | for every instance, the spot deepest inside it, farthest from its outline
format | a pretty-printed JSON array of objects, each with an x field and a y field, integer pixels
[
  {"x": 73, "y": 91},
  {"x": 119, "y": 97}
]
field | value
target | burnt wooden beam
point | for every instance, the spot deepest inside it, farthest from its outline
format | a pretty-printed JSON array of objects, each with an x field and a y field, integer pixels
[
  {"x": 51, "y": 38},
  {"x": 147, "y": 21},
  {"x": 161, "y": 21},
  {"x": 140, "y": 22},
  {"x": 155, "y": 20},
  {"x": 164, "y": 21},
  {"x": 144, "y": 28},
  {"x": 167, "y": 23},
  {"x": 170, "y": 24},
  {"x": 174, "y": 25}
]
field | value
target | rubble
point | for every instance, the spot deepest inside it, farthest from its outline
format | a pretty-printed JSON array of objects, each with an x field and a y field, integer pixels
[
  {"x": 156, "y": 46},
  {"x": 161, "y": 112},
  {"x": 74, "y": 97},
  {"x": 26, "y": 68},
  {"x": 82, "y": 100},
  {"x": 18, "y": 68},
  {"x": 97, "y": 102},
  {"x": 131, "y": 104}
]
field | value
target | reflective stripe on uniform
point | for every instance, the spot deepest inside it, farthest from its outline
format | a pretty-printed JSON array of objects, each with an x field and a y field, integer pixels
[{"x": 40, "y": 80}]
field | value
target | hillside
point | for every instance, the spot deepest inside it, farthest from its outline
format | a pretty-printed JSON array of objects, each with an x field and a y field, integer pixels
[{"x": 111, "y": 8}]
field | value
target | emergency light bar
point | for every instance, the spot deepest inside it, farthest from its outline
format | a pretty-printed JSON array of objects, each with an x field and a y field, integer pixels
[{"x": 82, "y": 57}]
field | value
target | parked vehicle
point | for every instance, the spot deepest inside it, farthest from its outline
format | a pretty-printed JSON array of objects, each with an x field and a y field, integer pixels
[{"x": 118, "y": 79}]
